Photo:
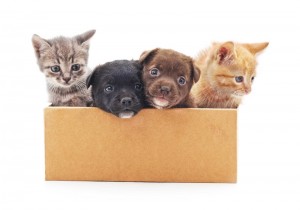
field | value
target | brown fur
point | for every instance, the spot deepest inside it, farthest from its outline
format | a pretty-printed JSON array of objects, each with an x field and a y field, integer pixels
[
  {"x": 220, "y": 65},
  {"x": 164, "y": 90}
]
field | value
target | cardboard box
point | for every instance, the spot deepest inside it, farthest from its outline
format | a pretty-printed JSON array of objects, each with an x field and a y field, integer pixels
[{"x": 176, "y": 145}]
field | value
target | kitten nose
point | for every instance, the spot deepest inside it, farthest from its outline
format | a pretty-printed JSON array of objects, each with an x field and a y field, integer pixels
[
  {"x": 165, "y": 90},
  {"x": 66, "y": 79},
  {"x": 126, "y": 101},
  {"x": 247, "y": 90}
]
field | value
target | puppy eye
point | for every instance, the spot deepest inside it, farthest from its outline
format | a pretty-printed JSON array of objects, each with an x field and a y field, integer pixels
[
  {"x": 252, "y": 79},
  {"x": 181, "y": 80},
  {"x": 138, "y": 86},
  {"x": 75, "y": 67},
  {"x": 109, "y": 88},
  {"x": 239, "y": 79},
  {"x": 154, "y": 72},
  {"x": 55, "y": 69}
]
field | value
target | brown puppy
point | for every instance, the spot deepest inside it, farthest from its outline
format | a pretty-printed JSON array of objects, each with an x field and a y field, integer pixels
[{"x": 168, "y": 77}]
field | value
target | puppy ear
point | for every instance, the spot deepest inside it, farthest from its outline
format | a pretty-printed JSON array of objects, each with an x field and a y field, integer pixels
[
  {"x": 137, "y": 64},
  {"x": 147, "y": 55},
  {"x": 83, "y": 39},
  {"x": 196, "y": 72},
  {"x": 225, "y": 53},
  {"x": 90, "y": 79},
  {"x": 39, "y": 44}
]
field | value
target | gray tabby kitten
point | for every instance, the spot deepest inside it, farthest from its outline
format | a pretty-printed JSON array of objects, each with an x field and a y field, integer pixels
[{"x": 64, "y": 62}]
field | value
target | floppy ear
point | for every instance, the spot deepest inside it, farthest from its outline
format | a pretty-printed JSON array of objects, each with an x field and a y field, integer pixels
[
  {"x": 39, "y": 44},
  {"x": 196, "y": 72},
  {"x": 147, "y": 55},
  {"x": 256, "y": 47},
  {"x": 225, "y": 53},
  {"x": 90, "y": 79},
  {"x": 83, "y": 39},
  {"x": 137, "y": 64}
]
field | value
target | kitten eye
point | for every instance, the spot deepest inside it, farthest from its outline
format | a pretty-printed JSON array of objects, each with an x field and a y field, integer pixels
[
  {"x": 109, "y": 88},
  {"x": 55, "y": 69},
  {"x": 75, "y": 67},
  {"x": 239, "y": 79},
  {"x": 138, "y": 86},
  {"x": 181, "y": 80},
  {"x": 252, "y": 78},
  {"x": 154, "y": 72}
]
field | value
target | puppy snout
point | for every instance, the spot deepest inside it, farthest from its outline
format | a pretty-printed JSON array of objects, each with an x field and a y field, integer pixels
[
  {"x": 126, "y": 101},
  {"x": 165, "y": 90}
]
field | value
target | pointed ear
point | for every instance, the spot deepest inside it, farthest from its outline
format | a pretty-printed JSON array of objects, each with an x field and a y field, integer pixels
[
  {"x": 147, "y": 55},
  {"x": 196, "y": 72},
  {"x": 225, "y": 53},
  {"x": 90, "y": 79},
  {"x": 256, "y": 47},
  {"x": 39, "y": 44},
  {"x": 83, "y": 39}
]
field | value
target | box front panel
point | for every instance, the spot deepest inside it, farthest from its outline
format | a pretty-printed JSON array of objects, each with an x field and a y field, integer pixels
[{"x": 177, "y": 145}]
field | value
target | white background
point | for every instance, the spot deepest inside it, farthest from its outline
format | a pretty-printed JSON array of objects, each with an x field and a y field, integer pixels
[{"x": 268, "y": 124}]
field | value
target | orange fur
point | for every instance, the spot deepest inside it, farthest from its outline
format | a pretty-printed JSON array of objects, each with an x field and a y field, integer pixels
[{"x": 220, "y": 66}]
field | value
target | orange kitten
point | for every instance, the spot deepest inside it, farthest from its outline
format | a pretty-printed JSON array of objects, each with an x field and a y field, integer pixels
[{"x": 227, "y": 73}]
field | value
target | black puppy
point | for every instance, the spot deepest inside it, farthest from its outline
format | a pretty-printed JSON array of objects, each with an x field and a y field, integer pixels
[{"x": 117, "y": 87}]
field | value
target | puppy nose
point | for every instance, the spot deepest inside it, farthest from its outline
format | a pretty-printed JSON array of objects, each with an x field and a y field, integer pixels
[
  {"x": 126, "y": 101},
  {"x": 165, "y": 90},
  {"x": 66, "y": 79}
]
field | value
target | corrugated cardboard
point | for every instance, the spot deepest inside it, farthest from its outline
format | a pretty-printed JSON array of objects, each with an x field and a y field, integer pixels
[{"x": 176, "y": 145}]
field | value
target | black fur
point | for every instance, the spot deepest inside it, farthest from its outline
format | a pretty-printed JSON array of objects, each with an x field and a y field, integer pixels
[{"x": 117, "y": 87}]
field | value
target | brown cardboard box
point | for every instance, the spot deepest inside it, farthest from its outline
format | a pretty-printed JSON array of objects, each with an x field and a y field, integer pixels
[{"x": 176, "y": 145}]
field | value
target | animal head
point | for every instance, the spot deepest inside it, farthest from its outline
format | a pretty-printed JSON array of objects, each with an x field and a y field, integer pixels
[
  {"x": 63, "y": 60},
  {"x": 117, "y": 87},
  {"x": 168, "y": 77},
  {"x": 231, "y": 67}
]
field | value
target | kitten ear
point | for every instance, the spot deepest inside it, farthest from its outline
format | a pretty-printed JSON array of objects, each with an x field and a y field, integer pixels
[
  {"x": 196, "y": 72},
  {"x": 90, "y": 79},
  {"x": 225, "y": 53},
  {"x": 147, "y": 55},
  {"x": 256, "y": 47},
  {"x": 39, "y": 44},
  {"x": 83, "y": 39}
]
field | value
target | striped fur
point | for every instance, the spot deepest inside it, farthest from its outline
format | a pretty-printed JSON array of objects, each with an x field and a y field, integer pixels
[
  {"x": 219, "y": 66},
  {"x": 66, "y": 87}
]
